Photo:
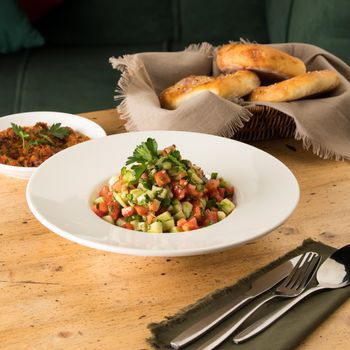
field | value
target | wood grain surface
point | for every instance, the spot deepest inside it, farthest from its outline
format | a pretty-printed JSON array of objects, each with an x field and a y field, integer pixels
[{"x": 55, "y": 294}]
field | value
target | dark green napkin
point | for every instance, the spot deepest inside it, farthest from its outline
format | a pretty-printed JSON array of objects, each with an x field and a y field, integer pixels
[{"x": 285, "y": 334}]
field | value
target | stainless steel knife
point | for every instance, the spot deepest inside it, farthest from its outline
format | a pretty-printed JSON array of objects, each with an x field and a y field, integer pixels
[{"x": 258, "y": 286}]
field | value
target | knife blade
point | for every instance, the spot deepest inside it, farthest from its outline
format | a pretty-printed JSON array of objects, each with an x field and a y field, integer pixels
[{"x": 257, "y": 287}]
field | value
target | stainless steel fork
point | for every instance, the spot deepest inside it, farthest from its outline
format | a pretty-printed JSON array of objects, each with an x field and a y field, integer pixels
[{"x": 292, "y": 286}]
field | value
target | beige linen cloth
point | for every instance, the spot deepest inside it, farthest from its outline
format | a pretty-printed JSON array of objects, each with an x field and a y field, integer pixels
[{"x": 322, "y": 123}]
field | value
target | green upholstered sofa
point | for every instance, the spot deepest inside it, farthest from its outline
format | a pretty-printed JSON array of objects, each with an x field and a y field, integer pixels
[{"x": 71, "y": 73}]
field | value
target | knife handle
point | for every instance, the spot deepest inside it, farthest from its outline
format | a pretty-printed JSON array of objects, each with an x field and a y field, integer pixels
[
  {"x": 208, "y": 322},
  {"x": 223, "y": 334},
  {"x": 267, "y": 320}
]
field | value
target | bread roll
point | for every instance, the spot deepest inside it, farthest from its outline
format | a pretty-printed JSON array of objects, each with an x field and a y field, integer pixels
[
  {"x": 266, "y": 61},
  {"x": 227, "y": 86},
  {"x": 307, "y": 84}
]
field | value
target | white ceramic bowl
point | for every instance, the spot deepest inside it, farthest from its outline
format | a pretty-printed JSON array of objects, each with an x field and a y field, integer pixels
[
  {"x": 61, "y": 192},
  {"x": 83, "y": 125}
]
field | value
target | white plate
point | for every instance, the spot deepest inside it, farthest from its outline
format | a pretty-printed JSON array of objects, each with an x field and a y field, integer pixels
[
  {"x": 83, "y": 125},
  {"x": 60, "y": 193}
]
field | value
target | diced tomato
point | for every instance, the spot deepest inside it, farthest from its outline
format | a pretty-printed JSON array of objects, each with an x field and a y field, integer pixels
[
  {"x": 216, "y": 195},
  {"x": 143, "y": 211},
  {"x": 211, "y": 217},
  {"x": 183, "y": 182},
  {"x": 192, "y": 191},
  {"x": 180, "y": 175},
  {"x": 179, "y": 192},
  {"x": 221, "y": 191},
  {"x": 150, "y": 218},
  {"x": 109, "y": 198},
  {"x": 128, "y": 226},
  {"x": 181, "y": 222},
  {"x": 212, "y": 184},
  {"x": 162, "y": 178},
  {"x": 103, "y": 208},
  {"x": 114, "y": 210},
  {"x": 230, "y": 189},
  {"x": 154, "y": 206},
  {"x": 128, "y": 211},
  {"x": 191, "y": 224},
  {"x": 197, "y": 212},
  {"x": 97, "y": 211},
  {"x": 144, "y": 176},
  {"x": 104, "y": 191},
  {"x": 117, "y": 186}
]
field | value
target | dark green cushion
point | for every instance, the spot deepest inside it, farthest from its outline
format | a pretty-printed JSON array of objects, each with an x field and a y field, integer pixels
[
  {"x": 222, "y": 20},
  {"x": 323, "y": 23},
  {"x": 71, "y": 79},
  {"x": 108, "y": 22},
  {"x": 15, "y": 30},
  {"x": 278, "y": 17},
  {"x": 12, "y": 68}
]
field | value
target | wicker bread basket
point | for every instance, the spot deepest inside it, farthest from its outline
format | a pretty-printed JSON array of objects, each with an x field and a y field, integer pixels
[{"x": 266, "y": 124}]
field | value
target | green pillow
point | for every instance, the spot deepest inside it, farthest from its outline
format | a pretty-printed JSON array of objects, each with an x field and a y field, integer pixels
[
  {"x": 15, "y": 30},
  {"x": 324, "y": 23}
]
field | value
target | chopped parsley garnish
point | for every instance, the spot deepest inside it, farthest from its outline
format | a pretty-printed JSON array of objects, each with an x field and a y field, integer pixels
[{"x": 58, "y": 131}]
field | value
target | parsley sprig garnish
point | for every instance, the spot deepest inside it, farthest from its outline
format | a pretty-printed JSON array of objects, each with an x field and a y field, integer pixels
[
  {"x": 144, "y": 155},
  {"x": 146, "y": 152},
  {"x": 58, "y": 131},
  {"x": 19, "y": 131},
  {"x": 55, "y": 130}
]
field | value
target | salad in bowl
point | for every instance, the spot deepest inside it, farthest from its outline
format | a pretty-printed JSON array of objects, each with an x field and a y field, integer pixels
[{"x": 157, "y": 191}]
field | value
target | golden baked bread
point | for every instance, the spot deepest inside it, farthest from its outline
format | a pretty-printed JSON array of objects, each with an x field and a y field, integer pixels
[
  {"x": 266, "y": 61},
  {"x": 228, "y": 86},
  {"x": 307, "y": 84}
]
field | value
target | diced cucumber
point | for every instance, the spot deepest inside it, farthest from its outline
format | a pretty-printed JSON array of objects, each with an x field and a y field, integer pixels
[
  {"x": 179, "y": 215},
  {"x": 141, "y": 186},
  {"x": 204, "y": 202},
  {"x": 150, "y": 194},
  {"x": 194, "y": 177},
  {"x": 164, "y": 217},
  {"x": 167, "y": 165},
  {"x": 136, "y": 192},
  {"x": 163, "y": 193},
  {"x": 99, "y": 200},
  {"x": 112, "y": 180},
  {"x": 221, "y": 215},
  {"x": 156, "y": 227},
  {"x": 156, "y": 189},
  {"x": 119, "y": 199},
  {"x": 121, "y": 222},
  {"x": 175, "y": 229},
  {"x": 173, "y": 172},
  {"x": 187, "y": 209},
  {"x": 142, "y": 227},
  {"x": 168, "y": 225},
  {"x": 135, "y": 223},
  {"x": 177, "y": 207},
  {"x": 227, "y": 206},
  {"x": 143, "y": 198},
  {"x": 109, "y": 219},
  {"x": 128, "y": 177}
]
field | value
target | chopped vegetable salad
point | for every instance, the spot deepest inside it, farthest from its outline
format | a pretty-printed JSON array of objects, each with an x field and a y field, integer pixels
[{"x": 158, "y": 191}]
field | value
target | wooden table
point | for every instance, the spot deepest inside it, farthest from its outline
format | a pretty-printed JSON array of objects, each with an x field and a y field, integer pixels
[{"x": 55, "y": 294}]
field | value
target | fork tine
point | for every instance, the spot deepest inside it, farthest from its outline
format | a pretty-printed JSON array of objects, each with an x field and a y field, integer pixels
[
  {"x": 301, "y": 271},
  {"x": 309, "y": 271},
  {"x": 286, "y": 282}
]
